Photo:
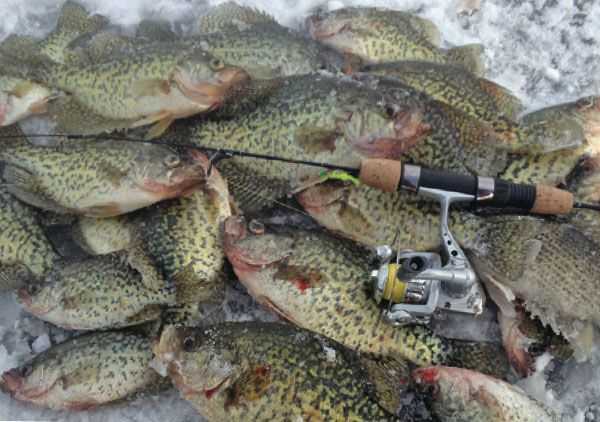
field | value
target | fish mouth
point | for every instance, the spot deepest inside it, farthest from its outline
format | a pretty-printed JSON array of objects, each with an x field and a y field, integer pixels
[
  {"x": 25, "y": 298},
  {"x": 407, "y": 129},
  {"x": 241, "y": 257},
  {"x": 11, "y": 382},
  {"x": 320, "y": 29},
  {"x": 210, "y": 93},
  {"x": 210, "y": 392}
]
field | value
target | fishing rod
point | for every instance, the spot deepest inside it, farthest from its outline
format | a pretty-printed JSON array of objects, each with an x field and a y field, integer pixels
[
  {"x": 415, "y": 287},
  {"x": 393, "y": 175}
]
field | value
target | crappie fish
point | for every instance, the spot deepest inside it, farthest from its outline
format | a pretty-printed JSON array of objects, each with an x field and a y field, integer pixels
[
  {"x": 340, "y": 121},
  {"x": 321, "y": 283},
  {"x": 268, "y": 50},
  {"x": 232, "y": 16},
  {"x": 479, "y": 97},
  {"x": 94, "y": 294},
  {"x": 85, "y": 372},
  {"x": 182, "y": 239},
  {"x": 553, "y": 267},
  {"x": 73, "y": 21},
  {"x": 382, "y": 35},
  {"x": 155, "y": 86},
  {"x": 98, "y": 178},
  {"x": 461, "y": 395},
  {"x": 269, "y": 371},
  {"x": 494, "y": 105},
  {"x": 265, "y": 50},
  {"x": 534, "y": 258}
]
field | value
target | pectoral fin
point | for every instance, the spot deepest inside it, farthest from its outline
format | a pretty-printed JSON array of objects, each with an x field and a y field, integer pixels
[
  {"x": 250, "y": 386},
  {"x": 150, "y": 87},
  {"x": 315, "y": 140},
  {"x": 159, "y": 128}
]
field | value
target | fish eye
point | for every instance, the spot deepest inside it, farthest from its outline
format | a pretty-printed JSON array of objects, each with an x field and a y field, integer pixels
[
  {"x": 26, "y": 370},
  {"x": 216, "y": 64},
  {"x": 171, "y": 161},
  {"x": 390, "y": 111},
  {"x": 188, "y": 344},
  {"x": 256, "y": 227}
]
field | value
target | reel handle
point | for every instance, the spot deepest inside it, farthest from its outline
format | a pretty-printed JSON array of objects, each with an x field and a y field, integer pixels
[{"x": 391, "y": 175}]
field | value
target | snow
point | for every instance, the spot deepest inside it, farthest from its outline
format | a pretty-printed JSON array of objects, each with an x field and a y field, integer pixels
[{"x": 545, "y": 51}]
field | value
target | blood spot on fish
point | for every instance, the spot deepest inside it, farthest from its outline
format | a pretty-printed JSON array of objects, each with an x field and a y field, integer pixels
[
  {"x": 427, "y": 375},
  {"x": 302, "y": 278}
]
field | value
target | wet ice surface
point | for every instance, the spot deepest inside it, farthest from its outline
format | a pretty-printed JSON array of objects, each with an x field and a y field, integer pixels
[{"x": 545, "y": 51}]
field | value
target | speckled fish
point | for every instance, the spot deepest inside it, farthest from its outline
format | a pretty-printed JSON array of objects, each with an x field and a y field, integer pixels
[
  {"x": 85, "y": 372},
  {"x": 24, "y": 247},
  {"x": 265, "y": 50},
  {"x": 460, "y": 395},
  {"x": 93, "y": 294},
  {"x": 98, "y": 178},
  {"x": 182, "y": 239},
  {"x": 552, "y": 266},
  {"x": 231, "y": 16},
  {"x": 341, "y": 121},
  {"x": 320, "y": 283},
  {"x": 383, "y": 35},
  {"x": 156, "y": 85},
  {"x": 484, "y": 100},
  {"x": 275, "y": 372},
  {"x": 73, "y": 21},
  {"x": 479, "y": 97}
]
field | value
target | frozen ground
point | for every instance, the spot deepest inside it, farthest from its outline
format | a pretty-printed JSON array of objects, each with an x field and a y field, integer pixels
[{"x": 546, "y": 51}]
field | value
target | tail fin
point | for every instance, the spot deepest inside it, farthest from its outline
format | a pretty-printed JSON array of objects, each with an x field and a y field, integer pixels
[
  {"x": 505, "y": 100},
  {"x": 75, "y": 18},
  {"x": 469, "y": 56}
]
